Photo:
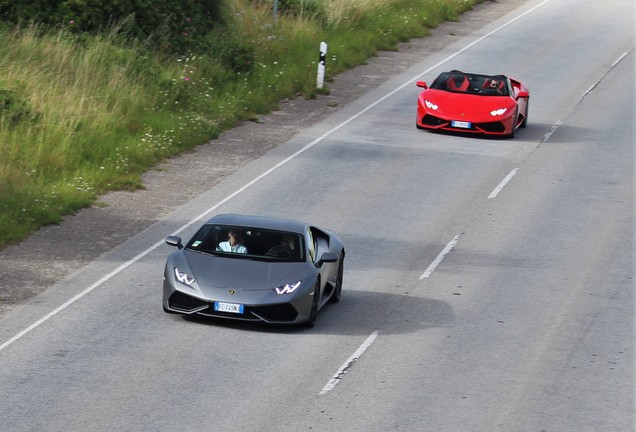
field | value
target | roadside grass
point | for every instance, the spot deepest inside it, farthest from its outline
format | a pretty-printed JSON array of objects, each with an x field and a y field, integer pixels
[{"x": 82, "y": 115}]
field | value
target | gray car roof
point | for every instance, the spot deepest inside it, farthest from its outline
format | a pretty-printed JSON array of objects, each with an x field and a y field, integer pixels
[{"x": 265, "y": 222}]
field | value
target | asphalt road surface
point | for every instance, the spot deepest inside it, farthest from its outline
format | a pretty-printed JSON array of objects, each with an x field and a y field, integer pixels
[{"x": 488, "y": 282}]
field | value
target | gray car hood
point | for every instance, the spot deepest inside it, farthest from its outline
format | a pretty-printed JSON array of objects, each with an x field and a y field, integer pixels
[{"x": 241, "y": 273}]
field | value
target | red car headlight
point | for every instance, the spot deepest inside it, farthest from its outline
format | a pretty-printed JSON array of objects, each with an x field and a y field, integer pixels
[{"x": 430, "y": 105}]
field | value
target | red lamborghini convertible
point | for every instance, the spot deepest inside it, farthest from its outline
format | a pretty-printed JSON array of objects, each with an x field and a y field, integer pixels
[{"x": 467, "y": 102}]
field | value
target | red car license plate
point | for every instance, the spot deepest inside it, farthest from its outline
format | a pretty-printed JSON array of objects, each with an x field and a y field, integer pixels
[{"x": 460, "y": 124}]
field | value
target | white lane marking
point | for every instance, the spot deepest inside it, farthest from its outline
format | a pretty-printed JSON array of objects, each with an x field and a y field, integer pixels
[
  {"x": 586, "y": 94},
  {"x": 347, "y": 365},
  {"x": 79, "y": 296},
  {"x": 431, "y": 268},
  {"x": 620, "y": 59},
  {"x": 596, "y": 84},
  {"x": 503, "y": 183},
  {"x": 551, "y": 131},
  {"x": 260, "y": 177}
]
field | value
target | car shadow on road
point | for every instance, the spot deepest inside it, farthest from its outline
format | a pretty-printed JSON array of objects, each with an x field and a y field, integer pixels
[
  {"x": 357, "y": 313},
  {"x": 533, "y": 132},
  {"x": 477, "y": 136}
]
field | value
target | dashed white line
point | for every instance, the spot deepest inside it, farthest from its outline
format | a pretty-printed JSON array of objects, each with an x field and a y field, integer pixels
[
  {"x": 347, "y": 365},
  {"x": 503, "y": 183},
  {"x": 431, "y": 268},
  {"x": 552, "y": 130},
  {"x": 620, "y": 59},
  {"x": 586, "y": 94}
]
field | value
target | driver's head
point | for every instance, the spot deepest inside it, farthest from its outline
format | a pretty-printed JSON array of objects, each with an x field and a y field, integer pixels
[{"x": 288, "y": 240}]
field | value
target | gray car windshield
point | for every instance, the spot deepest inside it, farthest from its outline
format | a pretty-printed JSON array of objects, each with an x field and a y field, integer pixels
[{"x": 248, "y": 242}]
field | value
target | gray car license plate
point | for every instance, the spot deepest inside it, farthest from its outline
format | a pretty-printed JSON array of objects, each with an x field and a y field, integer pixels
[{"x": 228, "y": 307}]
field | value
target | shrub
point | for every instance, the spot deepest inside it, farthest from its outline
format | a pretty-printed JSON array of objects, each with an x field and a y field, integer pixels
[
  {"x": 170, "y": 25},
  {"x": 13, "y": 108}
]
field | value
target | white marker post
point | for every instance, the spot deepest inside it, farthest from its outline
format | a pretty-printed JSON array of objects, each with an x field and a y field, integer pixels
[
  {"x": 321, "y": 65},
  {"x": 275, "y": 11}
]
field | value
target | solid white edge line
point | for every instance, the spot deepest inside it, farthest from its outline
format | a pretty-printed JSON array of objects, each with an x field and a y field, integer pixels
[
  {"x": 347, "y": 365},
  {"x": 503, "y": 183},
  {"x": 431, "y": 268},
  {"x": 79, "y": 296},
  {"x": 229, "y": 197}
]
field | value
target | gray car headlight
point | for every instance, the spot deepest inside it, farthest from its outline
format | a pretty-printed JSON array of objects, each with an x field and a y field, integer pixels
[
  {"x": 287, "y": 288},
  {"x": 183, "y": 277}
]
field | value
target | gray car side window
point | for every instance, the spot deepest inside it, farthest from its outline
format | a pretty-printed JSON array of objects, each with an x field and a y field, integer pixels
[{"x": 311, "y": 246}]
